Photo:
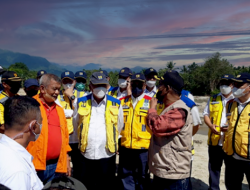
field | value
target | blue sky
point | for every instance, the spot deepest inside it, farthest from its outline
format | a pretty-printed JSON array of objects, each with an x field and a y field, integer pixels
[{"x": 117, "y": 33}]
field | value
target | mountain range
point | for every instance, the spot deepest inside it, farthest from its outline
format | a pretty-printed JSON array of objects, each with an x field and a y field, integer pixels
[{"x": 36, "y": 63}]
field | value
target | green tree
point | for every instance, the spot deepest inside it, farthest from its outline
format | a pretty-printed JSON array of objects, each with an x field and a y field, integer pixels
[{"x": 170, "y": 65}]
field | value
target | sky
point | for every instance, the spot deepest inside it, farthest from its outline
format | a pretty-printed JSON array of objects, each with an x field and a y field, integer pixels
[{"x": 119, "y": 33}]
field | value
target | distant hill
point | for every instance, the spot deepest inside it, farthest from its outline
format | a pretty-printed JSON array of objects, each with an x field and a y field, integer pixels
[{"x": 36, "y": 63}]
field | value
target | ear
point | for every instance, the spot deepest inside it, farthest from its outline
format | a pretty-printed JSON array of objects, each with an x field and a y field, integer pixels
[
  {"x": 42, "y": 89},
  {"x": 33, "y": 125},
  {"x": 5, "y": 85}
]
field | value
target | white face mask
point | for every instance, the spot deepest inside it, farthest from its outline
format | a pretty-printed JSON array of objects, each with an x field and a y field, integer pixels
[
  {"x": 150, "y": 83},
  {"x": 225, "y": 89},
  {"x": 239, "y": 92},
  {"x": 122, "y": 83},
  {"x": 36, "y": 135},
  {"x": 100, "y": 91},
  {"x": 66, "y": 86}
]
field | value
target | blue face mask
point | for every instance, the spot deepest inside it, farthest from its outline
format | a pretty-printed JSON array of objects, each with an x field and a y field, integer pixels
[
  {"x": 80, "y": 86},
  {"x": 137, "y": 92}
]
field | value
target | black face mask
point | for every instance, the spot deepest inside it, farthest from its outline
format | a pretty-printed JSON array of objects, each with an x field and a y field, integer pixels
[
  {"x": 14, "y": 89},
  {"x": 137, "y": 91},
  {"x": 159, "y": 96},
  {"x": 31, "y": 93}
]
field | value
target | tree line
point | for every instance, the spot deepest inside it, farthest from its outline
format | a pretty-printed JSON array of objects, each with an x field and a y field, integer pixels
[{"x": 199, "y": 79}]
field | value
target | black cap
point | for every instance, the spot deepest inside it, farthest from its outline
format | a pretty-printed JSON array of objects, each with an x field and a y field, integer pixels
[
  {"x": 104, "y": 72},
  {"x": 64, "y": 182},
  {"x": 243, "y": 77},
  {"x": 173, "y": 79},
  {"x": 227, "y": 77},
  {"x": 81, "y": 74},
  {"x": 10, "y": 76},
  {"x": 30, "y": 82},
  {"x": 40, "y": 73},
  {"x": 68, "y": 74},
  {"x": 138, "y": 76},
  {"x": 149, "y": 71},
  {"x": 125, "y": 72},
  {"x": 98, "y": 78}
]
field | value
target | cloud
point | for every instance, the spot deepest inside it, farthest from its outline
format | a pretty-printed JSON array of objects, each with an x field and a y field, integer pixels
[{"x": 188, "y": 35}]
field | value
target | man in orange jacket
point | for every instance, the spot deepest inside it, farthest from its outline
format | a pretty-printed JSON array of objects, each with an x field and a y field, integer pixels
[{"x": 51, "y": 148}]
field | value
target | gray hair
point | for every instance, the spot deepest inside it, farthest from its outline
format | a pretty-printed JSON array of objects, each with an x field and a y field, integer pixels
[{"x": 46, "y": 78}]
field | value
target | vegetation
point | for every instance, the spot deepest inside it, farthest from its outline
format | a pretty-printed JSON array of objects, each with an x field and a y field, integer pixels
[{"x": 199, "y": 79}]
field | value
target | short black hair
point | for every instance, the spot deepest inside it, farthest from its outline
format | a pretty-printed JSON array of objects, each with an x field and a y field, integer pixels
[{"x": 19, "y": 110}]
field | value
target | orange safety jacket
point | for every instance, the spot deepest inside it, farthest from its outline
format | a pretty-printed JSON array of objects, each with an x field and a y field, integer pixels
[{"x": 38, "y": 148}]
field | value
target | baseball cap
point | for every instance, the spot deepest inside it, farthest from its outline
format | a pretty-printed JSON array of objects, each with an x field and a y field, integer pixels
[
  {"x": 10, "y": 76},
  {"x": 30, "y": 82},
  {"x": 104, "y": 72},
  {"x": 149, "y": 71},
  {"x": 98, "y": 78},
  {"x": 138, "y": 76},
  {"x": 68, "y": 74},
  {"x": 227, "y": 77},
  {"x": 173, "y": 79},
  {"x": 125, "y": 72},
  {"x": 80, "y": 74},
  {"x": 64, "y": 182},
  {"x": 40, "y": 73},
  {"x": 243, "y": 77}
]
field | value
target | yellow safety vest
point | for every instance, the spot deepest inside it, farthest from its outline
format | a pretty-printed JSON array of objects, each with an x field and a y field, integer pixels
[
  {"x": 113, "y": 92},
  {"x": 216, "y": 108},
  {"x": 3, "y": 98},
  {"x": 237, "y": 138},
  {"x": 136, "y": 134},
  {"x": 66, "y": 104},
  {"x": 111, "y": 119}
]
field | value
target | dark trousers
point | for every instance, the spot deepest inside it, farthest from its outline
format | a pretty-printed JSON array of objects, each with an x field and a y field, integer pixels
[
  {"x": 98, "y": 174},
  {"x": 133, "y": 168},
  {"x": 216, "y": 156},
  {"x": 76, "y": 155},
  {"x": 171, "y": 184},
  {"x": 234, "y": 174}
]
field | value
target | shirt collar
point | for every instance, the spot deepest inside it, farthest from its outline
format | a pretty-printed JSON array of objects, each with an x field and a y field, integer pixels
[
  {"x": 154, "y": 90},
  {"x": 118, "y": 91},
  {"x": 15, "y": 146},
  {"x": 138, "y": 98},
  {"x": 46, "y": 105},
  {"x": 237, "y": 100},
  {"x": 102, "y": 102},
  {"x": 228, "y": 98}
]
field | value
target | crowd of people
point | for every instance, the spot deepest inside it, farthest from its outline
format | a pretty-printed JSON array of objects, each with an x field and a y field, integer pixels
[{"x": 61, "y": 136}]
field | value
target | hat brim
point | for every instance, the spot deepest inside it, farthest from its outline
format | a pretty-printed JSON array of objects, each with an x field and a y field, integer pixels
[
  {"x": 14, "y": 79},
  {"x": 237, "y": 80},
  {"x": 157, "y": 78},
  {"x": 138, "y": 80},
  {"x": 81, "y": 78},
  {"x": 96, "y": 83},
  {"x": 67, "y": 78}
]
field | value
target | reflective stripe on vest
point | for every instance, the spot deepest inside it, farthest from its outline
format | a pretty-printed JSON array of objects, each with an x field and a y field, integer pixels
[
  {"x": 237, "y": 138},
  {"x": 216, "y": 108},
  {"x": 136, "y": 134},
  {"x": 111, "y": 119}
]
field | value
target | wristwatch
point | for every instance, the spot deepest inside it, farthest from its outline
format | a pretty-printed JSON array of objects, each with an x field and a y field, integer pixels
[{"x": 72, "y": 97}]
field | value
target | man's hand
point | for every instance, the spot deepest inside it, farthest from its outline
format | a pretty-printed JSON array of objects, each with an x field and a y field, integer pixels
[
  {"x": 68, "y": 166},
  {"x": 153, "y": 103},
  {"x": 69, "y": 91},
  {"x": 213, "y": 129}
]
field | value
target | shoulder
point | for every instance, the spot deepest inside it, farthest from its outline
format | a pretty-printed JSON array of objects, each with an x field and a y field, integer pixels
[
  {"x": 125, "y": 98},
  {"x": 147, "y": 97},
  {"x": 112, "y": 99},
  {"x": 214, "y": 97},
  {"x": 84, "y": 98}
]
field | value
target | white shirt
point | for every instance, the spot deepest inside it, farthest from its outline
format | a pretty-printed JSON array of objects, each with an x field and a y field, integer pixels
[
  {"x": 241, "y": 106},
  {"x": 223, "y": 116},
  {"x": 151, "y": 93},
  {"x": 121, "y": 94},
  {"x": 16, "y": 168},
  {"x": 97, "y": 130},
  {"x": 136, "y": 100}
]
